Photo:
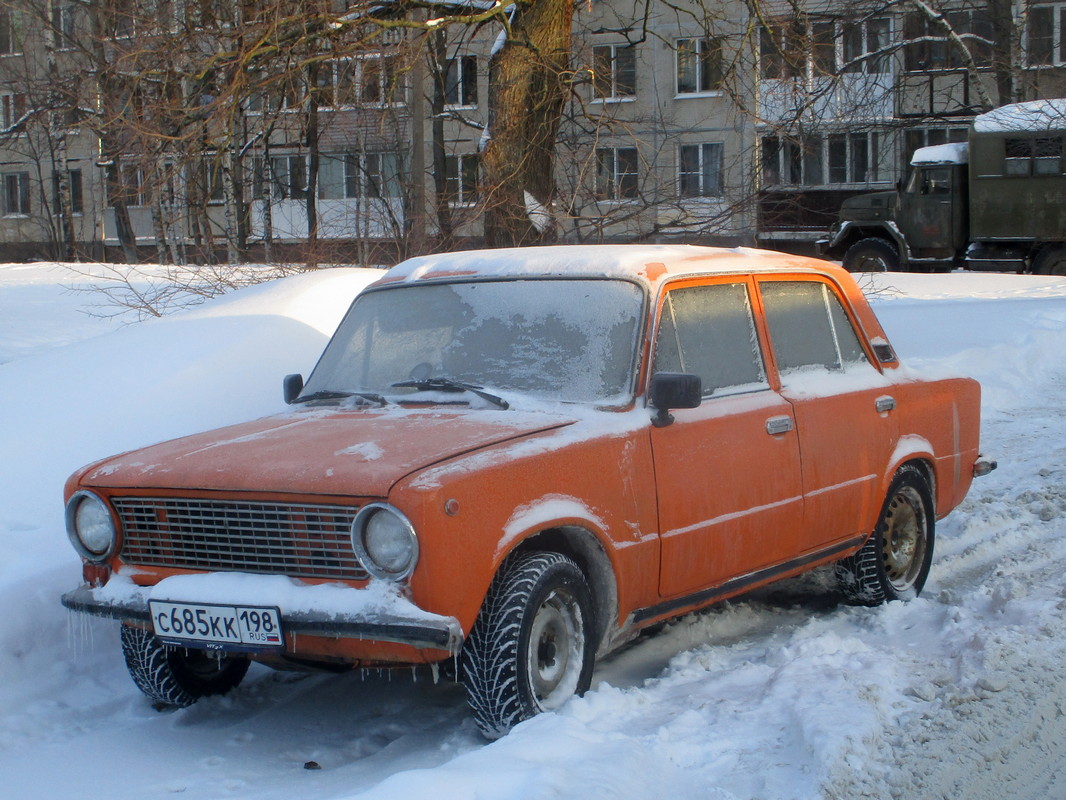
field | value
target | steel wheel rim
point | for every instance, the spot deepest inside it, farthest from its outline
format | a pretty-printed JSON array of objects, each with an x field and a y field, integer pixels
[
  {"x": 873, "y": 263},
  {"x": 556, "y": 649},
  {"x": 904, "y": 539}
]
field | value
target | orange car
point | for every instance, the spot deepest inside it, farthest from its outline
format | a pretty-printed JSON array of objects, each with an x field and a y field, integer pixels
[{"x": 522, "y": 458}]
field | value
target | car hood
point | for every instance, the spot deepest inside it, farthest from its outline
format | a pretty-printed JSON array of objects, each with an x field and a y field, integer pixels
[{"x": 336, "y": 452}]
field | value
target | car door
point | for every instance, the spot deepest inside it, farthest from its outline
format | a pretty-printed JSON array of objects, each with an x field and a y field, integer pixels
[
  {"x": 843, "y": 406},
  {"x": 727, "y": 473}
]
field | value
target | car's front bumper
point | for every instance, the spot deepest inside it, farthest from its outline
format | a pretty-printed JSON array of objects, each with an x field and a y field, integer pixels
[{"x": 421, "y": 629}]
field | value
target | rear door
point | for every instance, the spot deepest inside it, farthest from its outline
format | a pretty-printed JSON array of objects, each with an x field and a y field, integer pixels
[
  {"x": 843, "y": 406},
  {"x": 727, "y": 473}
]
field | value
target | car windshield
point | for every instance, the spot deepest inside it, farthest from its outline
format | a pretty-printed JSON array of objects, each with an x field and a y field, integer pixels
[{"x": 570, "y": 340}]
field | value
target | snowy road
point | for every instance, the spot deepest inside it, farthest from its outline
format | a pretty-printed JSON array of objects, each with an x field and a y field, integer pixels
[{"x": 787, "y": 694}]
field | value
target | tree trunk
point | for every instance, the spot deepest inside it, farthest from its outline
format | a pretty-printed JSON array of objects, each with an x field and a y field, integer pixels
[{"x": 528, "y": 81}]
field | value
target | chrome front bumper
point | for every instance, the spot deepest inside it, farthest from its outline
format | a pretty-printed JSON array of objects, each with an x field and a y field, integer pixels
[{"x": 425, "y": 631}]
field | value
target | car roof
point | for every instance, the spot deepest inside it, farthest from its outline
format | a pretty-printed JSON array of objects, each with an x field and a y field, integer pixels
[{"x": 648, "y": 263}]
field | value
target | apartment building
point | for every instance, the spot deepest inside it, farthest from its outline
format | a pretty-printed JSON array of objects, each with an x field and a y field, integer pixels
[{"x": 171, "y": 130}]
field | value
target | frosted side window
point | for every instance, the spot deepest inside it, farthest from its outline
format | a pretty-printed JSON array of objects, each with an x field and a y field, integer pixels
[{"x": 708, "y": 331}]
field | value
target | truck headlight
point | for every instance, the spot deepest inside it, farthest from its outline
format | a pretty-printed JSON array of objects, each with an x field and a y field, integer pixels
[
  {"x": 385, "y": 541},
  {"x": 90, "y": 526}
]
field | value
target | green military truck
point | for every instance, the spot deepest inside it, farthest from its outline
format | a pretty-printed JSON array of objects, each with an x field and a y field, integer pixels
[{"x": 995, "y": 202}]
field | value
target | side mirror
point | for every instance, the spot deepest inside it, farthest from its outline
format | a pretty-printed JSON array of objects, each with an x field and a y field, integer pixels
[
  {"x": 673, "y": 390},
  {"x": 291, "y": 387}
]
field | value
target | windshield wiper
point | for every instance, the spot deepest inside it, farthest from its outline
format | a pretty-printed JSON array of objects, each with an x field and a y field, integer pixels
[
  {"x": 332, "y": 395},
  {"x": 448, "y": 385}
]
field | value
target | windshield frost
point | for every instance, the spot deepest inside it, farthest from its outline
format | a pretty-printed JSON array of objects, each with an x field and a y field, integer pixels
[{"x": 561, "y": 339}]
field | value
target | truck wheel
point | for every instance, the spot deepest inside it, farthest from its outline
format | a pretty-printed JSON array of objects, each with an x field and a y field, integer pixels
[
  {"x": 894, "y": 562},
  {"x": 531, "y": 648},
  {"x": 174, "y": 677},
  {"x": 871, "y": 255},
  {"x": 1050, "y": 261}
]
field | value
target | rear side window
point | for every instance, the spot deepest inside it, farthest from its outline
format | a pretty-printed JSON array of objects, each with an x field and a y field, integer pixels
[
  {"x": 709, "y": 331},
  {"x": 809, "y": 327}
]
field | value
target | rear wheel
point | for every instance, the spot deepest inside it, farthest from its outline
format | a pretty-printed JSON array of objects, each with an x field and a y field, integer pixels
[
  {"x": 894, "y": 562},
  {"x": 531, "y": 648},
  {"x": 871, "y": 255},
  {"x": 1050, "y": 261},
  {"x": 174, "y": 677}
]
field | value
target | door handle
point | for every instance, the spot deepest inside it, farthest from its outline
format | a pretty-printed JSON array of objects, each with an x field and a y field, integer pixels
[
  {"x": 777, "y": 425},
  {"x": 885, "y": 403}
]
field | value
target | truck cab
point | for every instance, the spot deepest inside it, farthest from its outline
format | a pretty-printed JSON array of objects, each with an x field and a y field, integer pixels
[{"x": 922, "y": 225}]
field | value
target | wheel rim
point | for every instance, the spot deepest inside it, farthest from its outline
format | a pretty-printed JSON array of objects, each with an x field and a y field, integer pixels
[
  {"x": 904, "y": 540},
  {"x": 871, "y": 262},
  {"x": 556, "y": 649}
]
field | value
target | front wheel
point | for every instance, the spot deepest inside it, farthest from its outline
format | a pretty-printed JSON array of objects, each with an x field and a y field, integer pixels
[
  {"x": 871, "y": 255},
  {"x": 531, "y": 648},
  {"x": 173, "y": 677},
  {"x": 894, "y": 562}
]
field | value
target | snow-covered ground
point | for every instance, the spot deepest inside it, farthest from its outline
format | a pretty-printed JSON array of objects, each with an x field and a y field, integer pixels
[{"x": 786, "y": 694}]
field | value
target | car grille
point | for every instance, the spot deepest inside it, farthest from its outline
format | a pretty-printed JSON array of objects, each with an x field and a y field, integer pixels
[{"x": 304, "y": 541}]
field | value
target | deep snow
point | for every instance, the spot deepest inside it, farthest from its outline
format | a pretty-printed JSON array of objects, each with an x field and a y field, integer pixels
[{"x": 786, "y": 694}]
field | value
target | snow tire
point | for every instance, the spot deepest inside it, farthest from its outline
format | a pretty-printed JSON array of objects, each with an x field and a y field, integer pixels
[
  {"x": 531, "y": 648},
  {"x": 894, "y": 562},
  {"x": 173, "y": 677}
]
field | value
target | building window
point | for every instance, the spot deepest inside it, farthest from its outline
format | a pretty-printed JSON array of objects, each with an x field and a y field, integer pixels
[
  {"x": 74, "y": 186},
  {"x": 782, "y": 52},
  {"x": 699, "y": 170},
  {"x": 64, "y": 24},
  {"x": 794, "y": 49},
  {"x": 378, "y": 80},
  {"x": 16, "y": 193},
  {"x": 1046, "y": 43},
  {"x": 371, "y": 175},
  {"x": 837, "y": 158},
  {"x": 616, "y": 173},
  {"x": 864, "y": 46},
  {"x": 12, "y": 109},
  {"x": 614, "y": 71},
  {"x": 134, "y": 187},
  {"x": 10, "y": 32},
  {"x": 460, "y": 82},
  {"x": 928, "y": 48},
  {"x": 288, "y": 177},
  {"x": 699, "y": 66},
  {"x": 460, "y": 173}
]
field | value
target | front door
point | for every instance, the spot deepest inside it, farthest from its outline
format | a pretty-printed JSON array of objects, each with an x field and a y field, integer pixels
[{"x": 926, "y": 215}]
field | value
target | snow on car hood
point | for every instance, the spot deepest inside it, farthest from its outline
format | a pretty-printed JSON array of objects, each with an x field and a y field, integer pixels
[{"x": 355, "y": 452}]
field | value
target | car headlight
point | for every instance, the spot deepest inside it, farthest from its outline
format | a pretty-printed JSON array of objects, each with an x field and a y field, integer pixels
[
  {"x": 384, "y": 541},
  {"x": 90, "y": 526}
]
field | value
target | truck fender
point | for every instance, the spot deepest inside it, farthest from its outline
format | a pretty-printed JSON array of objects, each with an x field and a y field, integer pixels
[{"x": 851, "y": 231}]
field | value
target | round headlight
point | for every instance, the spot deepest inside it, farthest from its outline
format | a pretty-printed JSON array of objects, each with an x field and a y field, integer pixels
[
  {"x": 90, "y": 526},
  {"x": 384, "y": 541}
]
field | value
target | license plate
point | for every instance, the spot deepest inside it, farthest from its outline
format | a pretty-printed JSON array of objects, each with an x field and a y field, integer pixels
[{"x": 217, "y": 627}]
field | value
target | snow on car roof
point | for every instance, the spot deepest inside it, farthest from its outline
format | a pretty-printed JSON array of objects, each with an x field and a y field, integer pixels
[
  {"x": 954, "y": 153},
  {"x": 1036, "y": 115},
  {"x": 651, "y": 263}
]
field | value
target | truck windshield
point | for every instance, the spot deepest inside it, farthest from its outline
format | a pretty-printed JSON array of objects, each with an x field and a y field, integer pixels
[{"x": 570, "y": 340}]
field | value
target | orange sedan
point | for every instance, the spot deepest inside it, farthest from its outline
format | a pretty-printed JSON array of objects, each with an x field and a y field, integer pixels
[{"x": 521, "y": 458}]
